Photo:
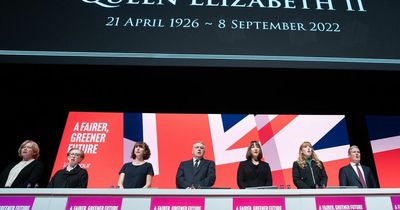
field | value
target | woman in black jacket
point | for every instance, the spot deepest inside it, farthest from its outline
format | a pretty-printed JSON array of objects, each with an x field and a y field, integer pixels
[
  {"x": 25, "y": 173},
  {"x": 308, "y": 171},
  {"x": 254, "y": 172},
  {"x": 72, "y": 176}
]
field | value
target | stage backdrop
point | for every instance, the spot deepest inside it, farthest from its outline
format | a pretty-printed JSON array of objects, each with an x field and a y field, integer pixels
[
  {"x": 108, "y": 139},
  {"x": 384, "y": 133}
]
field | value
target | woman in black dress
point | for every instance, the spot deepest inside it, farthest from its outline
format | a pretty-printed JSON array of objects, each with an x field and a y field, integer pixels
[{"x": 138, "y": 173}]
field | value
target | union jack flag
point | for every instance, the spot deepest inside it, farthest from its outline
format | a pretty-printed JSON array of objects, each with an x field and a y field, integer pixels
[{"x": 226, "y": 137}]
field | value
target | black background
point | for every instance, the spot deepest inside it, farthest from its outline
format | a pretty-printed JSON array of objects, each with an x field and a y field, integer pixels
[
  {"x": 75, "y": 26},
  {"x": 36, "y": 99}
]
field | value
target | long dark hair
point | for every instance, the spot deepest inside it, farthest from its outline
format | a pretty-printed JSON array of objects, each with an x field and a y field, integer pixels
[{"x": 248, "y": 153}]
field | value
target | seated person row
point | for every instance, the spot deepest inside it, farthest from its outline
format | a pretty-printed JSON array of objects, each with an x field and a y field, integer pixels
[
  {"x": 28, "y": 172},
  {"x": 308, "y": 171}
]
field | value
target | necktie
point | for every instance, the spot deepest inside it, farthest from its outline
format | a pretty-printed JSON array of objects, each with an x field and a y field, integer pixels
[
  {"x": 196, "y": 163},
  {"x": 360, "y": 176}
]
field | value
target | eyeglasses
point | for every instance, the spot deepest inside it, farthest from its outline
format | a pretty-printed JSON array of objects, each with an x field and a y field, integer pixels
[{"x": 75, "y": 154}]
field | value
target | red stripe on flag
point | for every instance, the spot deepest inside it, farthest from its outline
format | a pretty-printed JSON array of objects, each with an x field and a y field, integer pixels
[{"x": 273, "y": 127}]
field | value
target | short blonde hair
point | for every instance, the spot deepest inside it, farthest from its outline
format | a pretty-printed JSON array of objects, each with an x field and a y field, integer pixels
[
  {"x": 35, "y": 149},
  {"x": 81, "y": 151}
]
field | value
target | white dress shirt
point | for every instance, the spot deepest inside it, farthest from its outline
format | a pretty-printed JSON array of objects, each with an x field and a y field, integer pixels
[{"x": 15, "y": 171}]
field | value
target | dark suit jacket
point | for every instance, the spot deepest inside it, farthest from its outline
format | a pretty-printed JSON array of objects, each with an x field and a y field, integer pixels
[
  {"x": 188, "y": 176},
  {"x": 302, "y": 177},
  {"x": 28, "y": 177},
  {"x": 348, "y": 177},
  {"x": 76, "y": 178}
]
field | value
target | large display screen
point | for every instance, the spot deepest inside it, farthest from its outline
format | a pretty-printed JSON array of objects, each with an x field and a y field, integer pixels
[
  {"x": 384, "y": 133},
  {"x": 335, "y": 34},
  {"x": 108, "y": 138}
]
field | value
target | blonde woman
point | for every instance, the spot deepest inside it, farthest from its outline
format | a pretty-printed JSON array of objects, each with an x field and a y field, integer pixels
[
  {"x": 308, "y": 171},
  {"x": 25, "y": 173},
  {"x": 72, "y": 176}
]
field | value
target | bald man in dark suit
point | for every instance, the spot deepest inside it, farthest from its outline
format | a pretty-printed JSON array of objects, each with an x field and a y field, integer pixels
[
  {"x": 355, "y": 174},
  {"x": 197, "y": 172}
]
